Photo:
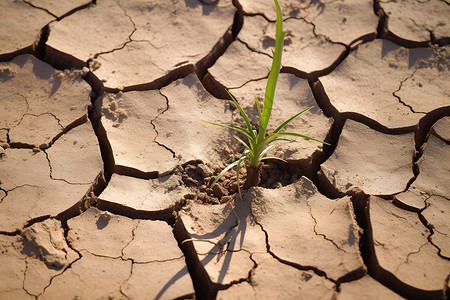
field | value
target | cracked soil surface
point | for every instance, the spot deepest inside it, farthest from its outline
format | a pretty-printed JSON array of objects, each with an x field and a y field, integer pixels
[{"x": 105, "y": 163}]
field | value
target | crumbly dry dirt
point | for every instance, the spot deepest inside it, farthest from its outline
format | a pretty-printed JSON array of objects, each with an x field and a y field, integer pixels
[{"x": 105, "y": 163}]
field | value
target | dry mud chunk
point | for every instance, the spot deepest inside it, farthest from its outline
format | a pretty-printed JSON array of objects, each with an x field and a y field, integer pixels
[
  {"x": 158, "y": 280},
  {"x": 302, "y": 50},
  {"x": 85, "y": 163},
  {"x": 402, "y": 247},
  {"x": 322, "y": 232},
  {"x": 29, "y": 264},
  {"x": 377, "y": 163},
  {"x": 35, "y": 130},
  {"x": 13, "y": 107},
  {"x": 433, "y": 175},
  {"x": 414, "y": 20},
  {"x": 25, "y": 175},
  {"x": 100, "y": 28},
  {"x": 442, "y": 129},
  {"x": 20, "y": 25},
  {"x": 215, "y": 228},
  {"x": 128, "y": 120},
  {"x": 48, "y": 238},
  {"x": 369, "y": 82},
  {"x": 434, "y": 168},
  {"x": 343, "y": 21},
  {"x": 436, "y": 214},
  {"x": 48, "y": 101},
  {"x": 91, "y": 277},
  {"x": 151, "y": 195},
  {"x": 366, "y": 288},
  {"x": 241, "y": 290},
  {"x": 267, "y": 8},
  {"x": 274, "y": 280},
  {"x": 228, "y": 266},
  {"x": 100, "y": 233},
  {"x": 57, "y": 7},
  {"x": 181, "y": 129},
  {"x": 3, "y": 138},
  {"x": 152, "y": 241},
  {"x": 12, "y": 272},
  {"x": 238, "y": 65},
  {"x": 292, "y": 96},
  {"x": 48, "y": 254},
  {"x": 169, "y": 34}
]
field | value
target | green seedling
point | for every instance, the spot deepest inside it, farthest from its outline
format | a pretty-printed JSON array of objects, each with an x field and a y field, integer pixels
[{"x": 259, "y": 142}]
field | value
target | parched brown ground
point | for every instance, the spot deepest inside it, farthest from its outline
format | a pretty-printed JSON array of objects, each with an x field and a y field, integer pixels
[{"x": 105, "y": 163}]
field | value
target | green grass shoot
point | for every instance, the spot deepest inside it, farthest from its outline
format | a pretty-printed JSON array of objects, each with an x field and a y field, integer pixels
[{"x": 258, "y": 141}]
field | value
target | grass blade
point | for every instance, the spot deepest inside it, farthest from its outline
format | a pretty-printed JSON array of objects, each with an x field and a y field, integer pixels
[
  {"x": 259, "y": 107},
  {"x": 237, "y": 128},
  {"x": 296, "y": 134},
  {"x": 273, "y": 75},
  {"x": 290, "y": 119},
  {"x": 243, "y": 114},
  {"x": 273, "y": 157}
]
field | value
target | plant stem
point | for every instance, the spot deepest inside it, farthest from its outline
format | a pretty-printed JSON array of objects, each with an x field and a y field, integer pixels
[{"x": 253, "y": 174}]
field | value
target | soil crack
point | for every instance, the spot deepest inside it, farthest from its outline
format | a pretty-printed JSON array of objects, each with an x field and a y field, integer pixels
[
  {"x": 400, "y": 99},
  {"x": 91, "y": 62},
  {"x": 41, "y": 8},
  {"x": 316, "y": 270},
  {"x": 321, "y": 234}
]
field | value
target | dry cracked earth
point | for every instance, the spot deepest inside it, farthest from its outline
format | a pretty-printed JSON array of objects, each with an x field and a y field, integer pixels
[{"x": 105, "y": 163}]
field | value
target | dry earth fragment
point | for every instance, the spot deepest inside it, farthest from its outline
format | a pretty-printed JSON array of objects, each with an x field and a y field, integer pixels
[
  {"x": 166, "y": 38},
  {"x": 90, "y": 277},
  {"x": 49, "y": 100},
  {"x": 152, "y": 241},
  {"x": 58, "y": 7},
  {"x": 292, "y": 96},
  {"x": 322, "y": 232},
  {"x": 12, "y": 272},
  {"x": 266, "y": 8},
  {"x": 128, "y": 120},
  {"x": 370, "y": 82},
  {"x": 274, "y": 280},
  {"x": 366, "y": 288},
  {"x": 343, "y": 21},
  {"x": 216, "y": 228},
  {"x": 441, "y": 129},
  {"x": 181, "y": 129},
  {"x": 80, "y": 145},
  {"x": 87, "y": 229},
  {"x": 101, "y": 28},
  {"x": 239, "y": 65},
  {"x": 20, "y": 25},
  {"x": 31, "y": 260},
  {"x": 47, "y": 254},
  {"x": 151, "y": 195},
  {"x": 303, "y": 50},
  {"x": 25, "y": 175},
  {"x": 377, "y": 163},
  {"x": 241, "y": 290},
  {"x": 432, "y": 179},
  {"x": 415, "y": 20},
  {"x": 434, "y": 168},
  {"x": 227, "y": 266},
  {"x": 402, "y": 246},
  {"x": 436, "y": 214},
  {"x": 158, "y": 280}
]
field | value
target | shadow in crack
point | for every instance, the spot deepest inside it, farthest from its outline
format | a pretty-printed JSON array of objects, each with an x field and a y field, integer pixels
[{"x": 234, "y": 228}]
